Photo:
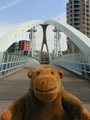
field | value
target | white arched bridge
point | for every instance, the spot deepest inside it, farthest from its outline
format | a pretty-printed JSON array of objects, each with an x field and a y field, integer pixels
[{"x": 76, "y": 62}]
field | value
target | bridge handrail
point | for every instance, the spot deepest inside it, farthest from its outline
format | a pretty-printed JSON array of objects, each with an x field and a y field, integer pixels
[
  {"x": 12, "y": 68},
  {"x": 77, "y": 62},
  {"x": 13, "y": 63}
]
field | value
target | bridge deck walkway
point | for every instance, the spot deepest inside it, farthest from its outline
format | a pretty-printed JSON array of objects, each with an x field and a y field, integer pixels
[{"x": 16, "y": 85}]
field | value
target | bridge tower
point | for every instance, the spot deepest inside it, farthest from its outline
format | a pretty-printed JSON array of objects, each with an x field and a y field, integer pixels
[
  {"x": 44, "y": 42},
  {"x": 57, "y": 47},
  {"x": 32, "y": 41}
]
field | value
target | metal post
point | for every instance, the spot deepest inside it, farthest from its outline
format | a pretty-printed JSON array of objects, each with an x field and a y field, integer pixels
[
  {"x": 57, "y": 47},
  {"x": 32, "y": 42},
  {"x": 54, "y": 45},
  {"x": 57, "y": 44}
]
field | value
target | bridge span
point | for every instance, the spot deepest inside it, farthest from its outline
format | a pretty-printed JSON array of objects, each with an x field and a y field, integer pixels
[
  {"x": 16, "y": 85},
  {"x": 76, "y": 62}
]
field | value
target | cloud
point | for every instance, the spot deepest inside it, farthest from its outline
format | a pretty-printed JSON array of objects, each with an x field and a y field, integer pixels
[{"x": 10, "y": 4}]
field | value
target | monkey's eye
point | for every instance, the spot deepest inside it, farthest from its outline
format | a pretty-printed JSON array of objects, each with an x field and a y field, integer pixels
[
  {"x": 52, "y": 73},
  {"x": 38, "y": 73}
]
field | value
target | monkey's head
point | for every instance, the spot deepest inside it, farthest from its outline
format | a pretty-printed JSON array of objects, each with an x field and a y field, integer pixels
[{"x": 45, "y": 83}]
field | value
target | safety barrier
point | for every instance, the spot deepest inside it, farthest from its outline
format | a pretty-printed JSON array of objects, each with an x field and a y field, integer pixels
[
  {"x": 77, "y": 62},
  {"x": 10, "y": 63}
]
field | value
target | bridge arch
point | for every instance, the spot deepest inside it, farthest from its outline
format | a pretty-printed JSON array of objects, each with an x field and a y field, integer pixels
[
  {"x": 11, "y": 37},
  {"x": 81, "y": 40}
]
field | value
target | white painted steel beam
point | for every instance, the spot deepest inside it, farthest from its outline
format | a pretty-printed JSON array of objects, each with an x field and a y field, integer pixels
[
  {"x": 81, "y": 40},
  {"x": 11, "y": 37}
]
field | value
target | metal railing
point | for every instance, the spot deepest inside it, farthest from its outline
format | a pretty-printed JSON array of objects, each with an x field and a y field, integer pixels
[
  {"x": 77, "y": 62},
  {"x": 10, "y": 63}
]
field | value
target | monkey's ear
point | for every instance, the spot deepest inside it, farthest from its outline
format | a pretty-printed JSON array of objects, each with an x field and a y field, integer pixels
[
  {"x": 30, "y": 73},
  {"x": 61, "y": 74}
]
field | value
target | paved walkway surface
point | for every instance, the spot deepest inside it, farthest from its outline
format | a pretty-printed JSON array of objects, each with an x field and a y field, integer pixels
[{"x": 16, "y": 85}]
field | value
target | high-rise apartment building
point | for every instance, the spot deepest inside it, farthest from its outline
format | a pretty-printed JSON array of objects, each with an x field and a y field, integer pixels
[{"x": 78, "y": 15}]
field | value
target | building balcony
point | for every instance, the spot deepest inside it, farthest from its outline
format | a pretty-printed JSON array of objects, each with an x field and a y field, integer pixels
[
  {"x": 76, "y": 17},
  {"x": 76, "y": 0},
  {"x": 88, "y": 18},
  {"x": 87, "y": 13},
  {"x": 76, "y": 8},
  {"x": 84, "y": 25},
  {"x": 77, "y": 26},
  {"x": 76, "y": 4},
  {"x": 76, "y": 13},
  {"x": 76, "y": 22},
  {"x": 87, "y": 5},
  {"x": 88, "y": 32},
  {"x": 88, "y": 23},
  {"x": 88, "y": 28},
  {"x": 87, "y": 9}
]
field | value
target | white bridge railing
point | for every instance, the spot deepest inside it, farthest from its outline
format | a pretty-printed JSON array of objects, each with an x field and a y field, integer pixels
[
  {"x": 10, "y": 63},
  {"x": 77, "y": 62}
]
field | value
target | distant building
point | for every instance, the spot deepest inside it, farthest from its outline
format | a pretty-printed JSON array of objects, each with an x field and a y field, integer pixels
[
  {"x": 22, "y": 45},
  {"x": 78, "y": 16},
  {"x": 44, "y": 58},
  {"x": 14, "y": 47}
]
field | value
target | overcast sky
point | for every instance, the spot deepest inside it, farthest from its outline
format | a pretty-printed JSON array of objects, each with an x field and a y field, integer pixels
[{"x": 15, "y": 12}]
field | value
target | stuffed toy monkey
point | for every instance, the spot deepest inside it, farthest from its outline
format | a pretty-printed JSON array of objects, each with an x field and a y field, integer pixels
[{"x": 46, "y": 99}]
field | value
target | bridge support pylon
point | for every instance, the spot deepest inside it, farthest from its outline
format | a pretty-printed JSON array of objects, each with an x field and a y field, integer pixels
[
  {"x": 44, "y": 42},
  {"x": 32, "y": 42},
  {"x": 57, "y": 47}
]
